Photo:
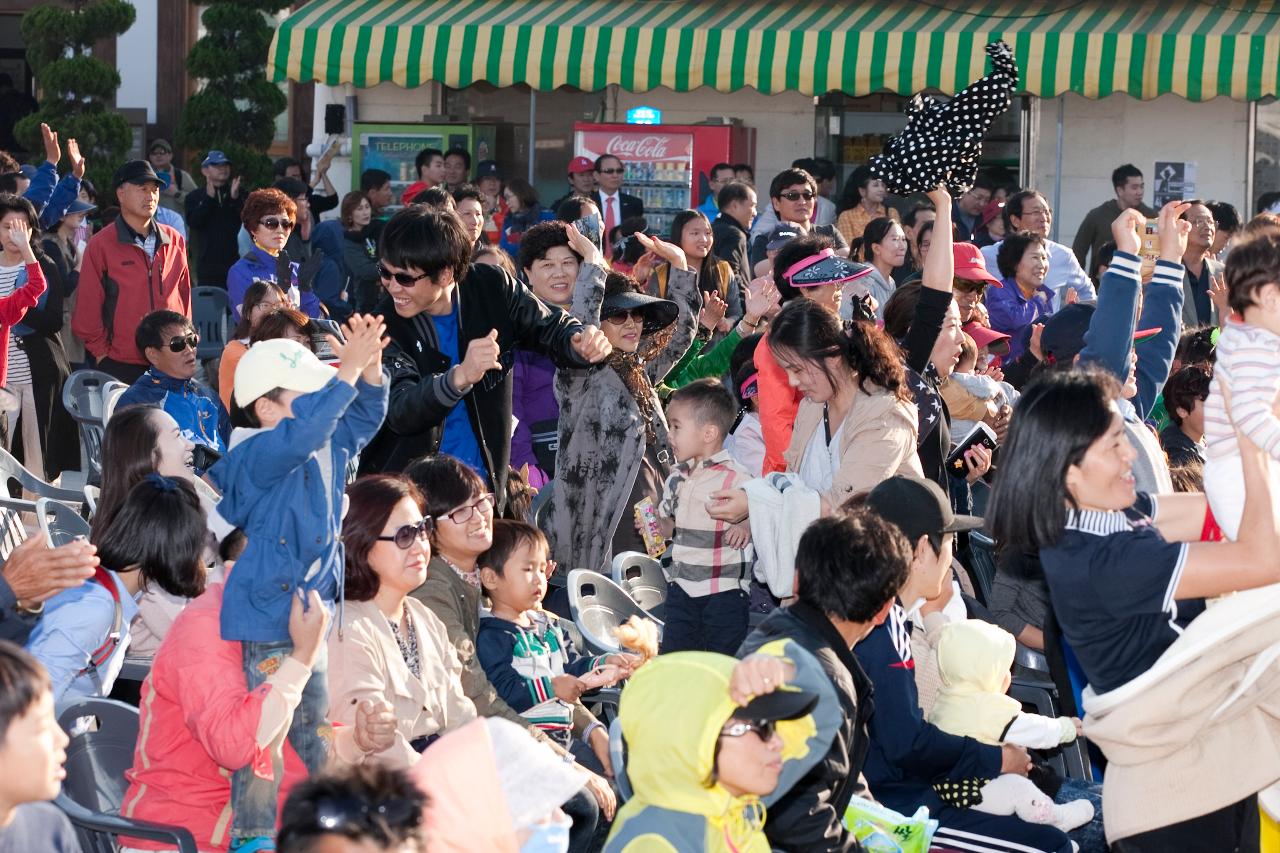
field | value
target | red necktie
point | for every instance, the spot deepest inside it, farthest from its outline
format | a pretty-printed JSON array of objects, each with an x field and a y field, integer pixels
[{"x": 610, "y": 222}]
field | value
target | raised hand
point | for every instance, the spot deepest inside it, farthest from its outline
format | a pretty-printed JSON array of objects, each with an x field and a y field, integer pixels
[
  {"x": 1173, "y": 231},
  {"x": 362, "y": 352},
  {"x": 18, "y": 235},
  {"x": 762, "y": 298},
  {"x": 77, "y": 162},
  {"x": 669, "y": 252},
  {"x": 481, "y": 357},
  {"x": 1127, "y": 229},
  {"x": 941, "y": 199},
  {"x": 589, "y": 251},
  {"x": 1219, "y": 296},
  {"x": 52, "y": 152},
  {"x": 713, "y": 308}
]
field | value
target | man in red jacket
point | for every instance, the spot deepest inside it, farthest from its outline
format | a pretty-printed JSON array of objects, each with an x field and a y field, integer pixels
[{"x": 130, "y": 269}]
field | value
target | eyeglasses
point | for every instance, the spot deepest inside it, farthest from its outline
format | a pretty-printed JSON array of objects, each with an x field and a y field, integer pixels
[
  {"x": 612, "y": 171},
  {"x": 463, "y": 514},
  {"x": 796, "y": 195},
  {"x": 636, "y": 314},
  {"x": 402, "y": 278},
  {"x": 346, "y": 812},
  {"x": 182, "y": 343},
  {"x": 276, "y": 223},
  {"x": 405, "y": 535},
  {"x": 764, "y": 729}
]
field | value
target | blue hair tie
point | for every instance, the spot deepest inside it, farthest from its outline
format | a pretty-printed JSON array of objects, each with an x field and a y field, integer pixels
[{"x": 164, "y": 484}]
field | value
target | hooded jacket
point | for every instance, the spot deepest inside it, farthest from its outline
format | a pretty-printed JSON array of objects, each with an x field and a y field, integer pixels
[
  {"x": 672, "y": 711},
  {"x": 973, "y": 661}
]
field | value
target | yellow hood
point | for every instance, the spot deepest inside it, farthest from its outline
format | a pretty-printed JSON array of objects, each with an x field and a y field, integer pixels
[
  {"x": 671, "y": 713},
  {"x": 974, "y": 658}
]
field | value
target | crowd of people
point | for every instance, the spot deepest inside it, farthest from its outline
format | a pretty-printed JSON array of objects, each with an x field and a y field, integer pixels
[{"x": 325, "y": 545}]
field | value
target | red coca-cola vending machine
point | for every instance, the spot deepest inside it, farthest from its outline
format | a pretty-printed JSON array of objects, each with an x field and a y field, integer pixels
[{"x": 667, "y": 165}]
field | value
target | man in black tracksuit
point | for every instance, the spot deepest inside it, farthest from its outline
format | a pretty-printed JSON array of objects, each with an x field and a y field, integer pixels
[{"x": 850, "y": 568}]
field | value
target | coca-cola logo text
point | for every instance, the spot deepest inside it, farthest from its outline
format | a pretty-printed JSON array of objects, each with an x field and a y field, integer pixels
[{"x": 638, "y": 148}]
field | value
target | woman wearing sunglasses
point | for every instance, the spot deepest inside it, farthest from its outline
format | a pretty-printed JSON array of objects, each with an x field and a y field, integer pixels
[
  {"x": 269, "y": 216},
  {"x": 461, "y": 510},
  {"x": 391, "y": 649},
  {"x": 614, "y": 449},
  {"x": 712, "y": 741}
]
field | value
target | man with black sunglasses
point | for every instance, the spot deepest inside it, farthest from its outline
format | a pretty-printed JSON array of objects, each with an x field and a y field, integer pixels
[
  {"x": 168, "y": 341},
  {"x": 615, "y": 205},
  {"x": 454, "y": 329},
  {"x": 793, "y": 198}
]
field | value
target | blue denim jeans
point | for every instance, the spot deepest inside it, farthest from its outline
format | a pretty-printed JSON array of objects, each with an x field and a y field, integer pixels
[
  {"x": 711, "y": 623},
  {"x": 1090, "y": 837},
  {"x": 253, "y": 799}
]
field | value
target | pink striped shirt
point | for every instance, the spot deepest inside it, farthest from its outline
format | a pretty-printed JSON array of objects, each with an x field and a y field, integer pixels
[{"x": 1248, "y": 365}]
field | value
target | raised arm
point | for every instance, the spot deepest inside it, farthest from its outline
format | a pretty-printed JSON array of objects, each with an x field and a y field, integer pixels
[{"x": 931, "y": 308}]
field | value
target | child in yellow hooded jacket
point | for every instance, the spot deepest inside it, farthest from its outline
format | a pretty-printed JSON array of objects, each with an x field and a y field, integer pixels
[{"x": 712, "y": 741}]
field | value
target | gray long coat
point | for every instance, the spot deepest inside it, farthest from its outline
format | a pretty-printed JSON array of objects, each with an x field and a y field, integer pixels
[{"x": 602, "y": 435}]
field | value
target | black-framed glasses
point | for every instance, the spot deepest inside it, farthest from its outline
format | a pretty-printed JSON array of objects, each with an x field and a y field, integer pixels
[
  {"x": 613, "y": 171},
  {"x": 182, "y": 343},
  {"x": 276, "y": 223},
  {"x": 765, "y": 729},
  {"x": 405, "y": 535},
  {"x": 464, "y": 513},
  {"x": 401, "y": 278},
  {"x": 796, "y": 195},
  {"x": 346, "y": 811},
  {"x": 622, "y": 317}
]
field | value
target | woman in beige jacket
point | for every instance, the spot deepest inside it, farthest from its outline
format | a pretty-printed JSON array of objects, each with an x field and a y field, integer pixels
[{"x": 389, "y": 646}]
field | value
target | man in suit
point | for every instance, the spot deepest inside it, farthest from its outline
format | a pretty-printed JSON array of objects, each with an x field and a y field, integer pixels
[
  {"x": 615, "y": 205},
  {"x": 737, "y": 205},
  {"x": 1201, "y": 270}
]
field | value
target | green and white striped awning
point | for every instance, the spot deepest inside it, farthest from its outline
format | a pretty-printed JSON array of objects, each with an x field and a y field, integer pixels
[{"x": 1198, "y": 50}]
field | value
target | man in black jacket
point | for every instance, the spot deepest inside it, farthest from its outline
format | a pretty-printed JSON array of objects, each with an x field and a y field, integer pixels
[
  {"x": 453, "y": 345},
  {"x": 213, "y": 215},
  {"x": 850, "y": 568},
  {"x": 732, "y": 228}
]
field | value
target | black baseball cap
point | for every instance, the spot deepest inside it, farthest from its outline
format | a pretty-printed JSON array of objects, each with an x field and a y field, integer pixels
[
  {"x": 785, "y": 703},
  {"x": 918, "y": 508},
  {"x": 488, "y": 169},
  {"x": 136, "y": 172},
  {"x": 1063, "y": 335}
]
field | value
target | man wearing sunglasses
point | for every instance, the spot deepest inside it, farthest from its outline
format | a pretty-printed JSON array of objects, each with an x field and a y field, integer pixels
[
  {"x": 168, "y": 341},
  {"x": 793, "y": 198},
  {"x": 614, "y": 204},
  {"x": 454, "y": 329}
]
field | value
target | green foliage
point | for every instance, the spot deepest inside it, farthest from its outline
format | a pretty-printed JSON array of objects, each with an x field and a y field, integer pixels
[
  {"x": 77, "y": 89},
  {"x": 236, "y": 107}
]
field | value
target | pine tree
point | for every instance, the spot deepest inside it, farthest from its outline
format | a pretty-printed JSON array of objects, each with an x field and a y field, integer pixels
[
  {"x": 236, "y": 107},
  {"x": 77, "y": 90}
]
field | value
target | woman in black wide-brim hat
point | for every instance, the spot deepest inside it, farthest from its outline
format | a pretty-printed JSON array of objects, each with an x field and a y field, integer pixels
[{"x": 613, "y": 448}]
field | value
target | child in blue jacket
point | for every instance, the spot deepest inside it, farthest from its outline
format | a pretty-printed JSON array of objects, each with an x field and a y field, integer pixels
[{"x": 282, "y": 482}]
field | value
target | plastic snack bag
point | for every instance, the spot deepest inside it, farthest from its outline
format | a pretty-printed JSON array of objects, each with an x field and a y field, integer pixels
[{"x": 882, "y": 830}]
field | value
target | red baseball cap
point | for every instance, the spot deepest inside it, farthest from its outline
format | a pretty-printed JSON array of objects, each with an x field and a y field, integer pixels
[
  {"x": 969, "y": 264},
  {"x": 983, "y": 336},
  {"x": 581, "y": 164}
]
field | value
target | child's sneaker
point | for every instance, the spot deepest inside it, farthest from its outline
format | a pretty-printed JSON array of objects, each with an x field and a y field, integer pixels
[{"x": 257, "y": 844}]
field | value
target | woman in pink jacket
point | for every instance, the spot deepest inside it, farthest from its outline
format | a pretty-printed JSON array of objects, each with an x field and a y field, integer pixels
[{"x": 199, "y": 722}]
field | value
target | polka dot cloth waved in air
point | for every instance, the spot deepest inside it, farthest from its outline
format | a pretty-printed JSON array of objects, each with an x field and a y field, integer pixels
[{"x": 942, "y": 141}]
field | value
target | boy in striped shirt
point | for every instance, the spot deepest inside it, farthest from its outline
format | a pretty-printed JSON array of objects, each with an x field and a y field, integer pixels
[
  {"x": 1246, "y": 378},
  {"x": 710, "y": 571},
  {"x": 526, "y": 655}
]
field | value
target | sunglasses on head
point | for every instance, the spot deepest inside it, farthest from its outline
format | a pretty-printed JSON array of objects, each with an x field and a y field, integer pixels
[
  {"x": 406, "y": 534},
  {"x": 622, "y": 317},
  {"x": 276, "y": 223},
  {"x": 345, "y": 812},
  {"x": 184, "y": 342},
  {"x": 401, "y": 278},
  {"x": 796, "y": 195},
  {"x": 612, "y": 171},
  {"x": 764, "y": 729}
]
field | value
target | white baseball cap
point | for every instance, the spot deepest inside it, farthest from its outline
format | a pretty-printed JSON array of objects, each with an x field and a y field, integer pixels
[{"x": 278, "y": 363}]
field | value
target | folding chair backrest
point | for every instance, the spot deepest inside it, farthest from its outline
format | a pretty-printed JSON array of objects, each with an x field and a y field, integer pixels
[
  {"x": 643, "y": 579},
  {"x": 541, "y": 505},
  {"x": 100, "y": 753},
  {"x": 110, "y": 397},
  {"x": 210, "y": 314},
  {"x": 598, "y": 606},
  {"x": 982, "y": 562},
  {"x": 82, "y": 395},
  {"x": 14, "y": 479},
  {"x": 60, "y": 522},
  {"x": 91, "y": 495},
  {"x": 12, "y": 531}
]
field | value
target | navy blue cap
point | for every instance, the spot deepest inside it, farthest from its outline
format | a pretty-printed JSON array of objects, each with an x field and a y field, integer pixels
[{"x": 215, "y": 158}]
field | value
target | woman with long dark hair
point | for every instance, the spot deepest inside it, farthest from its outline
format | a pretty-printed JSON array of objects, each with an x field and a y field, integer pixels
[
  {"x": 1127, "y": 573},
  {"x": 691, "y": 231},
  {"x": 613, "y": 435},
  {"x": 138, "y": 441},
  {"x": 884, "y": 247}
]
